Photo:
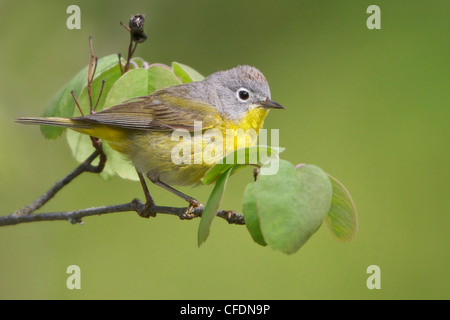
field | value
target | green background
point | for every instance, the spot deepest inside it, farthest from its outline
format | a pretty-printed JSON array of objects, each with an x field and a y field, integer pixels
[{"x": 370, "y": 107}]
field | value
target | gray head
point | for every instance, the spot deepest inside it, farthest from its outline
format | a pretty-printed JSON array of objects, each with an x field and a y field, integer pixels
[{"x": 236, "y": 91}]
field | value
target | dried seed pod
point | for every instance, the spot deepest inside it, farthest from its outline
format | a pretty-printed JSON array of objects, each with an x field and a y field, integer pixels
[{"x": 136, "y": 25}]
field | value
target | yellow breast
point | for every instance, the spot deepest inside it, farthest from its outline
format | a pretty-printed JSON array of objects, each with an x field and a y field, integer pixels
[
  {"x": 246, "y": 130},
  {"x": 253, "y": 119}
]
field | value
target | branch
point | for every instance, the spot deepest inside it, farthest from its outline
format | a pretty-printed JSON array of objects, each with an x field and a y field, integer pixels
[
  {"x": 25, "y": 214},
  {"x": 76, "y": 216}
]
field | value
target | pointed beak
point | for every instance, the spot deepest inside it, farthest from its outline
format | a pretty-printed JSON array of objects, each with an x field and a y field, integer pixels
[{"x": 269, "y": 104}]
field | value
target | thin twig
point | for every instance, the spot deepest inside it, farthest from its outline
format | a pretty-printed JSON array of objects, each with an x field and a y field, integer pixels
[
  {"x": 130, "y": 54},
  {"x": 120, "y": 63},
  {"x": 72, "y": 216},
  {"x": 76, "y": 102},
  {"x": 99, "y": 95},
  {"x": 90, "y": 76},
  {"x": 126, "y": 28},
  {"x": 91, "y": 73},
  {"x": 76, "y": 216},
  {"x": 95, "y": 69}
]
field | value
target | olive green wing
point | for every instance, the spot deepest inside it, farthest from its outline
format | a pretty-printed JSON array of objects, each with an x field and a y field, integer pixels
[{"x": 157, "y": 112}]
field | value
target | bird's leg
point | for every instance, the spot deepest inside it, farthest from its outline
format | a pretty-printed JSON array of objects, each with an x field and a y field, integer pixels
[
  {"x": 192, "y": 202},
  {"x": 149, "y": 200}
]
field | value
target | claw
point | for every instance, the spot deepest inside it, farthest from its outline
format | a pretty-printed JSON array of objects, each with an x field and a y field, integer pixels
[
  {"x": 145, "y": 212},
  {"x": 188, "y": 215}
]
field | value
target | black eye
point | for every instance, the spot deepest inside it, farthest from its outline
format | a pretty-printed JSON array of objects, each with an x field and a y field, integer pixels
[{"x": 243, "y": 94}]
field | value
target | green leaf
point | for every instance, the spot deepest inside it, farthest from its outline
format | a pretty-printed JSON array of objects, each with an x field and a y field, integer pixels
[
  {"x": 291, "y": 204},
  {"x": 132, "y": 84},
  {"x": 62, "y": 104},
  {"x": 186, "y": 73},
  {"x": 342, "y": 218},
  {"x": 241, "y": 157},
  {"x": 118, "y": 164},
  {"x": 160, "y": 78},
  {"x": 212, "y": 206},
  {"x": 251, "y": 215}
]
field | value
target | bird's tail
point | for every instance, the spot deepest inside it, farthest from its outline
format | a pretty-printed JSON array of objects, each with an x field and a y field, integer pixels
[{"x": 56, "y": 121}]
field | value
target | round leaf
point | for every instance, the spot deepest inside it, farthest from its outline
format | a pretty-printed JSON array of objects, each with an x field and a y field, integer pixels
[
  {"x": 291, "y": 204},
  {"x": 132, "y": 84},
  {"x": 160, "y": 78}
]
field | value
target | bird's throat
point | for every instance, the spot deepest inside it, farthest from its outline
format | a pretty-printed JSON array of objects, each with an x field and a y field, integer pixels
[{"x": 253, "y": 119}]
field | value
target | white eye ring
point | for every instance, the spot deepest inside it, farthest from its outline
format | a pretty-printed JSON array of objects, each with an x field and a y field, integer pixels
[{"x": 243, "y": 94}]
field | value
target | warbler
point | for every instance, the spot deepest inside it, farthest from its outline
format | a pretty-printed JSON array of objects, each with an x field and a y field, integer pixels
[{"x": 141, "y": 128}]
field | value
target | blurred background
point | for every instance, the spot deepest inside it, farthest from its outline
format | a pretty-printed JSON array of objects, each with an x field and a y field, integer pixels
[{"x": 370, "y": 107}]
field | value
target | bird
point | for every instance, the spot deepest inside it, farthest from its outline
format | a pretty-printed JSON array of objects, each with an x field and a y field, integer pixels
[{"x": 142, "y": 128}]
